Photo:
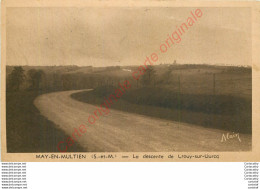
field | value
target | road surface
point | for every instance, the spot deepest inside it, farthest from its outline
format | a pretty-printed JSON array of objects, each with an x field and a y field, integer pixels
[{"x": 127, "y": 132}]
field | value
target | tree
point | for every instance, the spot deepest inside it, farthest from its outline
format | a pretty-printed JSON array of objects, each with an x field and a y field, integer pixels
[
  {"x": 35, "y": 78},
  {"x": 167, "y": 76},
  {"x": 16, "y": 78},
  {"x": 149, "y": 76}
]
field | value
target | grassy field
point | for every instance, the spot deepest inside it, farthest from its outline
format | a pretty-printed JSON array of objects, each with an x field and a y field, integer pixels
[
  {"x": 28, "y": 131},
  {"x": 227, "y": 112},
  {"x": 205, "y": 95}
]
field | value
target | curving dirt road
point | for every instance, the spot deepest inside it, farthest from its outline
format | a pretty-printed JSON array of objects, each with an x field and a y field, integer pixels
[{"x": 126, "y": 132}]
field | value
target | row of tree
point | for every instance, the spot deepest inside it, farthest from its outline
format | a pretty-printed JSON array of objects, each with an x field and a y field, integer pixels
[
  {"x": 17, "y": 78},
  {"x": 37, "y": 79}
]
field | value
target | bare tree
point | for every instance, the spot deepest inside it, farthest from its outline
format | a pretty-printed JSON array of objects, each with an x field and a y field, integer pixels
[
  {"x": 167, "y": 76},
  {"x": 148, "y": 77}
]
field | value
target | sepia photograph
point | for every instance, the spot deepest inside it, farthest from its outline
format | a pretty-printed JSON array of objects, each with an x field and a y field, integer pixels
[{"x": 125, "y": 79}]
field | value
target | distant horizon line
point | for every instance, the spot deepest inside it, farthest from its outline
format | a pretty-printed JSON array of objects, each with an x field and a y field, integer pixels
[{"x": 232, "y": 65}]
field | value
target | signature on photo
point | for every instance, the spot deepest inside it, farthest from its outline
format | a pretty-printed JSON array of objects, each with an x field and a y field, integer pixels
[{"x": 229, "y": 136}]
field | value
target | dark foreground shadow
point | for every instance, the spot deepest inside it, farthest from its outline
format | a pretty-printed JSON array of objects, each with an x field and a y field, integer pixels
[{"x": 27, "y": 130}]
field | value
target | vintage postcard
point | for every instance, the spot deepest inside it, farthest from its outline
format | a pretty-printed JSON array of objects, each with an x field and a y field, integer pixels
[{"x": 130, "y": 81}]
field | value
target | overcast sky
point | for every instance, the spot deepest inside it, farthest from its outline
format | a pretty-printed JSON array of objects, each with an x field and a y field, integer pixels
[{"x": 125, "y": 36}]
